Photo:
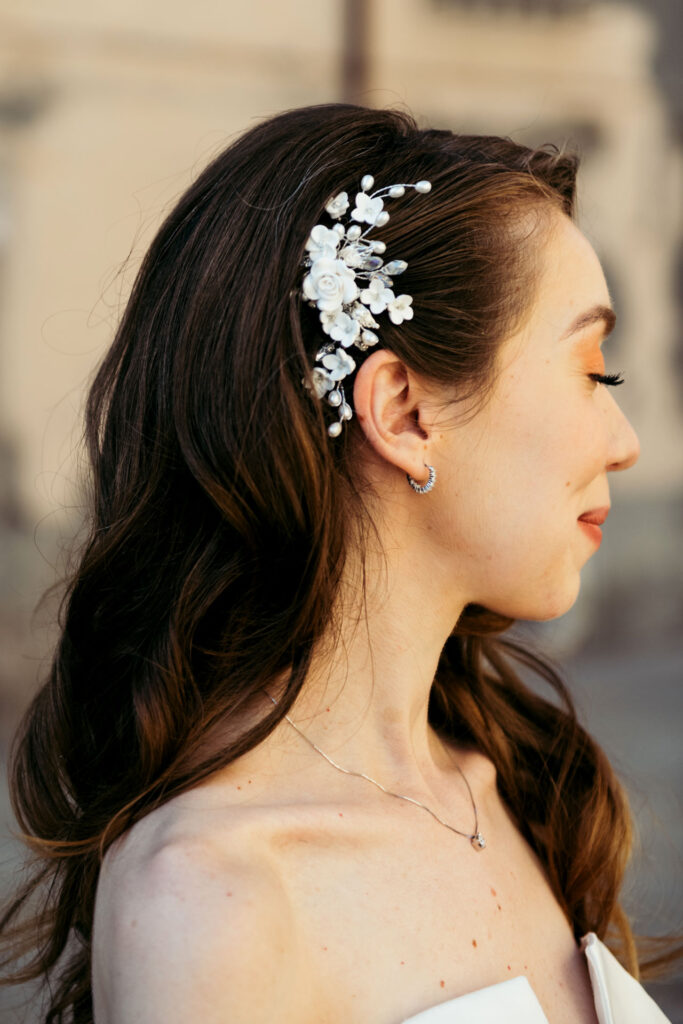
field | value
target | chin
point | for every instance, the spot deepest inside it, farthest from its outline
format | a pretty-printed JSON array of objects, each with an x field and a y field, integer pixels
[{"x": 538, "y": 607}]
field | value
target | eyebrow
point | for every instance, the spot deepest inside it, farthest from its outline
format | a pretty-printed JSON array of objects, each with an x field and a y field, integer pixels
[{"x": 592, "y": 316}]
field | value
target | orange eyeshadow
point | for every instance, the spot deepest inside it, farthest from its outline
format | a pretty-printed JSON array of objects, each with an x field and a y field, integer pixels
[{"x": 592, "y": 354}]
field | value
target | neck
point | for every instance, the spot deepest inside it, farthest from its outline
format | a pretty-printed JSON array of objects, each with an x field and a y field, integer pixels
[{"x": 366, "y": 695}]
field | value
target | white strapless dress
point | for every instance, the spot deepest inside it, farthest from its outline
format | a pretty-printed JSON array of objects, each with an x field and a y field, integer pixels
[{"x": 619, "y": 998}]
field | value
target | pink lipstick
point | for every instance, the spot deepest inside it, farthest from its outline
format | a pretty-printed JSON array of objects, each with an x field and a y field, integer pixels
[
  {"x": 591, "y": 522},
  {"x": 596, "y": 515}
]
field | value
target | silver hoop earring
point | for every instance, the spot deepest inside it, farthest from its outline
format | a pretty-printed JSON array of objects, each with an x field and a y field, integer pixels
[{"x": 423, "y": 488}]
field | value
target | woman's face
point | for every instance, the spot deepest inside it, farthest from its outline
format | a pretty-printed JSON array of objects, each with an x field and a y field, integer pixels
[{"x": 512, "y": 483}]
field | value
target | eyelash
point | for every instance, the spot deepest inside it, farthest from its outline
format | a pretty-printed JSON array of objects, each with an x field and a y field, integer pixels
[{"x": 611, "y": 379}]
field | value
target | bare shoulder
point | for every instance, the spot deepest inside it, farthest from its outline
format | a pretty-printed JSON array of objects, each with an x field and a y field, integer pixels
[{"x": 190, "y": 926}]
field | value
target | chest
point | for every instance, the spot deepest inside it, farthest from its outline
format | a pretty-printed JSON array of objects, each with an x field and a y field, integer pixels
[{"x": 390, "y": 922}]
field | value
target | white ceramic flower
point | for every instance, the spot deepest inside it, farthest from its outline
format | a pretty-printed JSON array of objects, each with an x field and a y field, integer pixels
[
  {"x": 344, "y": 329},
  {"x": 330, "y": 284},
  {"x": 327, "y": 319},
  {"x": 338, "y": 206},
  {"x": 320, "y": 382},
  {"x": 338, "y": 364},
  {"x": 367, "y": 209},
  {"x": 377, "y": 296},
  {"x": 322, "y": 243},
  {"x": 401, "y": 309}
]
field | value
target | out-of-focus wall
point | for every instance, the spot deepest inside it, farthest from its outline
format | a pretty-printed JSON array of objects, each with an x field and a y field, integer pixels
[
  {"x": 108, "y": 110},
  {"x": 123, "y": 103}
]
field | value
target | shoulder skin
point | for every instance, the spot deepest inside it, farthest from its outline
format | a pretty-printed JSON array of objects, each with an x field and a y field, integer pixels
[{"x": 187, "y": 932}]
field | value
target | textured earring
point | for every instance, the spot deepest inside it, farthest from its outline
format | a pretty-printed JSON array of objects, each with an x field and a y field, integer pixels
[{"x": 423, "y": 488}]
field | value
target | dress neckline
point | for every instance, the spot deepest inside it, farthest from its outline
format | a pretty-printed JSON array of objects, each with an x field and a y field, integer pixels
[
  {"x": 514, "y": 995},
  {"x": 618, "y": 998}
]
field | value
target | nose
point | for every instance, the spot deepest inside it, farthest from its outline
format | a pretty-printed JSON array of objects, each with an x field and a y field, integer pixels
[{"x": 625, "y": 448}]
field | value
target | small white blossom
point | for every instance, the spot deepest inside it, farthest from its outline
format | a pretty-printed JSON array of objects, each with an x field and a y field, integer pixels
[
  {"x": 327, "y": 319},
  {"x": 344, "y": 329},
  {"x": 367, "y": 209},
  {"x": 330, "y": 284},
  {"x": 338, "y": 206},
  {"x": 320, "y": 382},
  {"x": 338, "y": 364},
  {"x": 377, "y": 296},
  {"x": 400, "y": 309},
  {"x": 322, "y": 243}
]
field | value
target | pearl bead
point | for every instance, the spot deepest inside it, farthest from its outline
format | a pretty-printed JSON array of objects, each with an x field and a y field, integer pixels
[
  {"x": 366, "y": 182},
  {"x": 378, "y": 246},
  {"x": 382, "y": 219},
  {"x": 423, "y": 186},
  {"x": 334, "y": 397},
  {"x": 334, "y": 429},
  {"x": 346, "y": 411},
  {"x": 397, "y": 190},
  {"x": 354, "y": 232}
]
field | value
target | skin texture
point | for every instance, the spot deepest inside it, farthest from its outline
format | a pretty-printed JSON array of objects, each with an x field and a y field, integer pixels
[{"x": 311, "y": 895}]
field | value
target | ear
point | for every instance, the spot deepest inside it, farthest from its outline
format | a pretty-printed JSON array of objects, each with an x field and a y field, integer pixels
[{"x": 391, "y": 407}]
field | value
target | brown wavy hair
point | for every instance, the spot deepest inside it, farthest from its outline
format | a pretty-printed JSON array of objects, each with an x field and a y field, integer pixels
[{"x": 219, "y": 513}]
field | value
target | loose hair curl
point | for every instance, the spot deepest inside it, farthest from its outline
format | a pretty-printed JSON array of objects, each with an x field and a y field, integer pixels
[{"x": 219, "y": 511}]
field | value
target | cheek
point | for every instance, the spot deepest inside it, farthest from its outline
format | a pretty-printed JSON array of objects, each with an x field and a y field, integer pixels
[
  {"x": 550, "y": 422},
  {"x": 539, "y": 437},
  {"x": 510, "y": 481}
]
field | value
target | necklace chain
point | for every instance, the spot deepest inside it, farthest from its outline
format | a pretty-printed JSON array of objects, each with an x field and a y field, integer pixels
[{"x": 476, "y": 838}]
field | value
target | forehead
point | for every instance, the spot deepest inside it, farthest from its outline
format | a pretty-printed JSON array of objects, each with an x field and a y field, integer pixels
[
  {"x": 570, "y": 283},
  {"x": 572, "y": 279}
]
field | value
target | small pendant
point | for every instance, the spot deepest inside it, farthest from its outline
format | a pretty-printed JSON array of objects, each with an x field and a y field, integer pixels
[{"x": 478, "y": 841}]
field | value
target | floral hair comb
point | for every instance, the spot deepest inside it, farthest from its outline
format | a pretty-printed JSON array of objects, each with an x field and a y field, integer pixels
[{"x": 349, "y": 283}]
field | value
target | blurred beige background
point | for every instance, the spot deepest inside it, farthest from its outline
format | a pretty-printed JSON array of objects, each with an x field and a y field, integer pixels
[{"x": 107, "y": 111}]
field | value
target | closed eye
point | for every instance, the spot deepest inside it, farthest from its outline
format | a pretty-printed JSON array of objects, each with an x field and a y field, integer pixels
[{"x": 611, "y": 379}]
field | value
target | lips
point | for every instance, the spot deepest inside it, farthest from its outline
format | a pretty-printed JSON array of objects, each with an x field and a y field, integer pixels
[{"x": 596, "y": 516}]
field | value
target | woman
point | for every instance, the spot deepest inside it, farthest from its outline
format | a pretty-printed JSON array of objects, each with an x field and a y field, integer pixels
[{"x": 283, "y": 767}]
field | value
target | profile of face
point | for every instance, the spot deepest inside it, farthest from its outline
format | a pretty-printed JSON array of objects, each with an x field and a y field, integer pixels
[
  {"x": 501, "y": 527},
  {"x": 513, "y": 481}
]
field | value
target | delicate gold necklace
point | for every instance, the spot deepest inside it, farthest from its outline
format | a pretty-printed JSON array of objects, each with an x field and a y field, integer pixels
[{"x": 476, "y": 838}]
